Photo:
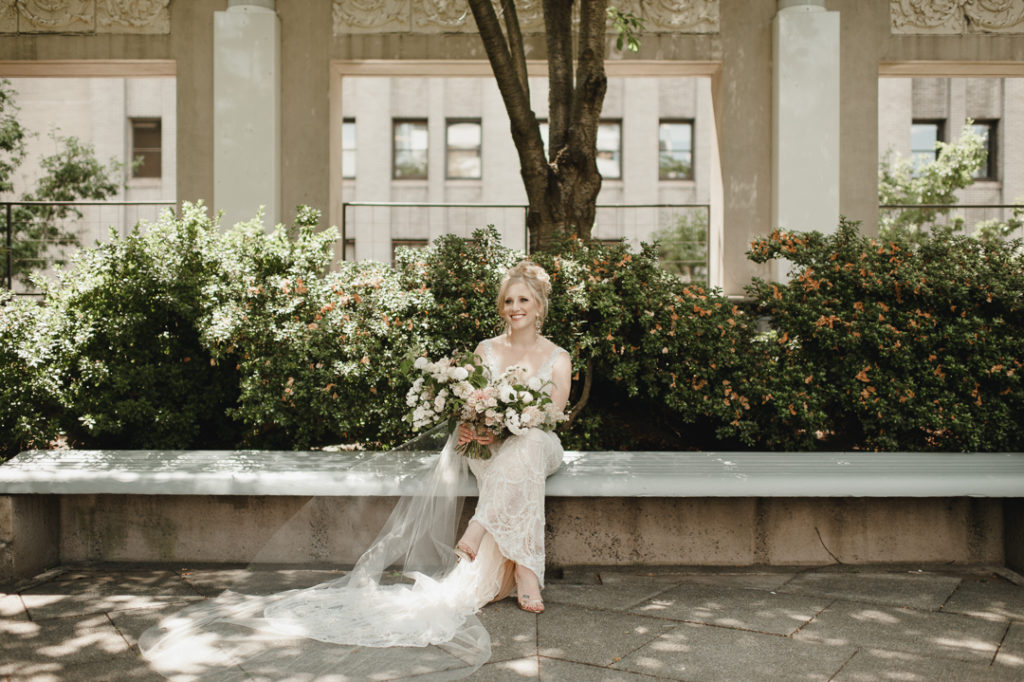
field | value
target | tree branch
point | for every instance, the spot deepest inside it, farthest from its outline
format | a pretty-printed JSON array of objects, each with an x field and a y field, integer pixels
[
  {"x": 515, "y": 44},
  {"x": 525, "y": 132},
  {"x": 588, "y": 380},
  {"x": 558, "y": 29}
]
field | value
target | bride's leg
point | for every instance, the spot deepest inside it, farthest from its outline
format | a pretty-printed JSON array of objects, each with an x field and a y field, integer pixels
[
  {"x": 528, "y": 590},
  {"x": 469, "y": 543}
]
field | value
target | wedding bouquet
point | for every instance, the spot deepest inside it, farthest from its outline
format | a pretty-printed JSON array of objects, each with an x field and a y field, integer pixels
[{"x": 459, "y": 391}]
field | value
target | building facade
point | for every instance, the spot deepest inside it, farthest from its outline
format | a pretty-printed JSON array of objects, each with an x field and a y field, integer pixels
[{"x": 260, "y": 90}]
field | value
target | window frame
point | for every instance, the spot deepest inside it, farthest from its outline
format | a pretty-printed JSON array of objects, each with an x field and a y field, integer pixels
[
  {"x": 693, "y": 130},
  {"x": 940, "y": 136},
  {"x": 448, "y": 123},
  {"x": 618, "y": 152},
  {"x": 146, "y": 152},
  {"x": 395, "y": 122},
  {"x": 345, "y": 174},
  {"x": 990, "y": 169}
]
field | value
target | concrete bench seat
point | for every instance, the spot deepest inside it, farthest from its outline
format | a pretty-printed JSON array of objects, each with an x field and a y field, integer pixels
[
  {"x": 583, "y": 474},
  {"x": 602, "y": 507}
]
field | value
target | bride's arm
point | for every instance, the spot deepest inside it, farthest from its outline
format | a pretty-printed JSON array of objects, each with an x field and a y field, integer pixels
[{"x": 561, "y": 377}]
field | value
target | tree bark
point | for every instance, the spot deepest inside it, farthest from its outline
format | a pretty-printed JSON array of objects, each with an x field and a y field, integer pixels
[{"x": 561, "y": 189}]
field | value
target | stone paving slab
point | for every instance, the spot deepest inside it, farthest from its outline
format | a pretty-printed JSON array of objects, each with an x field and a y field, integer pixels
[
  {"x": 83, "y": 592},
  {"x": 738, "y": 608},
  {"x": 557, "y": 669},
  {"x": 943, "y": 635},
  {"x": 915, "y": 589},
  {"x": 12, "y": 608},
  {"x": 513, "y": 631},
  {"x": 57, "y": 644},
  {"x": 713, "y": 654},
  {"x": 596, "y": 637},
  {"x": 210, "y": 582},
  {"x": 878, "y": 665},
  {"x": 699, "y": 625},
  {"x": 614, "y": 596},
  {"x": 1011, "y": 651},
  {"x": 991, "y": 598}
]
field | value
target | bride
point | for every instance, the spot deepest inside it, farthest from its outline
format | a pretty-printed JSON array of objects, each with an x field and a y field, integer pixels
[{"x": 359, "y": 626}]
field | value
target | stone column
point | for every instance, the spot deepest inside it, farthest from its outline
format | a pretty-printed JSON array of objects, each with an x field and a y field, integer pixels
[
  {"x": 805, "y": 117},
  {"x": 247, "y": 111}
]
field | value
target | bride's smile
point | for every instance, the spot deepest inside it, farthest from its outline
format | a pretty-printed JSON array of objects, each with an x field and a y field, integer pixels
[{"x": 520, "y": 308}]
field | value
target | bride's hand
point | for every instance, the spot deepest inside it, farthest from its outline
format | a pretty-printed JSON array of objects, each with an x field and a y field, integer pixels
[{"x": 467, "y": 434}]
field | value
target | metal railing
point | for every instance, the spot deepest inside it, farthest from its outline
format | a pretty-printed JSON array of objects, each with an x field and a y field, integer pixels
[
  {"x": 681, "y": 229},
  {"x": 968, "y": 216},
  {"x": 41, "y": 234}
]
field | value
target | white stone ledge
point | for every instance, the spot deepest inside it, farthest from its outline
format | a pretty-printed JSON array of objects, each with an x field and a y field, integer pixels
[{"x": 583, "y": 474}]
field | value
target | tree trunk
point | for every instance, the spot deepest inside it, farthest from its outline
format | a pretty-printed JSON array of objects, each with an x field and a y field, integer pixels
[{"x": 562, "y": 188}]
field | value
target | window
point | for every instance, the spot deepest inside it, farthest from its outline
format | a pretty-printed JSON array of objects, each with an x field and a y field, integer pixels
[
  {"x": 609, "y": 149},
  {"x": 348, "y": 148},
  {"x": 986, "y": 130},
  {"x": 675, "y": 150},
  {"x": 923, "y": 136},
  {"x": 463, "y": 161},
  {"x": 409, "y": 161},
  {"x": 146, "y": 145}
]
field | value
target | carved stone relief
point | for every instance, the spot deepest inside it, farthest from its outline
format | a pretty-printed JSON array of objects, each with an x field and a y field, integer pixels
[
  {"x": 956, "y": 17},
  {"x": 442, "y": 16},
  {"x": 8, "y": 16},
  {"x": 85, "y": 16},
  {"x": 451, "y": 16},
  {"x": 370, "y": 16},
  {"x": 681, "y": 16},
  {"x": 133, "y": 16},
  {"x": 64, "y": 16}
]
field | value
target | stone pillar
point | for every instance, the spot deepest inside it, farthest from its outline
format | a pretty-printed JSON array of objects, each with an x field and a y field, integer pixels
[
  {"x": 805, "y": 117},
  {"x": 247, "y": 111}
]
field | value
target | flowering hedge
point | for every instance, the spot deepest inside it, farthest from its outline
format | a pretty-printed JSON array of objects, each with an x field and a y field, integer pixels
[
  {"x": 185, "y": 336},
  {"x": 890, "y": 345}
]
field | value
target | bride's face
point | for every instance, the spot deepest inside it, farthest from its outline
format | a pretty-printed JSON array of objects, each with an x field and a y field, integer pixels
[{"x": 519, "y": 308}]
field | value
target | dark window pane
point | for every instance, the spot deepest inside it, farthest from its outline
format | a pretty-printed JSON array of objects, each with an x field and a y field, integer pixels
[
  {"x": 146, "y": 147},
  {"x": 986, "y": 130},
  {"x": 348, "y": 149}
]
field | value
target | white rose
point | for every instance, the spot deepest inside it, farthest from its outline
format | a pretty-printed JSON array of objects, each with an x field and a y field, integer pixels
[
  {"x": 439, "y": 403},
  {"x": 512, "y": 422},
  {"x": 458, "y": 373},
  {"x": 534, "y": 384},
  {"x": 420, "y": 363},
  {"x": 507, "y": 394},
  {"x": 526, "y": 396}
]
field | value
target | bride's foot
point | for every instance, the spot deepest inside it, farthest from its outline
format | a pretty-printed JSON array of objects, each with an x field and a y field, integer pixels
[
  {"x": 463, "y": 551},
  {"x": 528, "y": 591},
  {"x": 469, "y": 543}
]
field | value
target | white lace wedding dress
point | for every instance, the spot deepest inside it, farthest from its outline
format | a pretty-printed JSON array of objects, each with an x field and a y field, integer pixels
[{"x": 357, "y": 627}]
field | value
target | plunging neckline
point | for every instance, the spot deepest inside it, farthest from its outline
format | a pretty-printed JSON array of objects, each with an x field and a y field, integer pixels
[{"x": 491, "y": 361}]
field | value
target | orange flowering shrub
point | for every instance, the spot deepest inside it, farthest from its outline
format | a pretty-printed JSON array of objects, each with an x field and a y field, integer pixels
[{"x": 890, "y": 345}]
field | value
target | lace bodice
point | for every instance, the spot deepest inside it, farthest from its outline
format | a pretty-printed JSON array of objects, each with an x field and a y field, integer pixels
[{"x": 544, "y": 372}]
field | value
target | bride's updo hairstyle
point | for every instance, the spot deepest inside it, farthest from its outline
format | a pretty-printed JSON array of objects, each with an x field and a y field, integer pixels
[{"x": 536, "y": 280}]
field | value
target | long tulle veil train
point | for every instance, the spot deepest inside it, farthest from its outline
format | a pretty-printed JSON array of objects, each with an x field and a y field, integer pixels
[{"x": 405, "y": 610}]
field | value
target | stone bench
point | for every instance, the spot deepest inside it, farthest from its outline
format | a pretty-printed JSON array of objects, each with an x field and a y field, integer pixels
[{"x": 675, "y": 508}]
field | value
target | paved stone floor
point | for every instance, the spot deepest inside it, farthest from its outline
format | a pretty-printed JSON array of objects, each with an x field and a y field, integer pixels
[{"x": 852, "y": 623}]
